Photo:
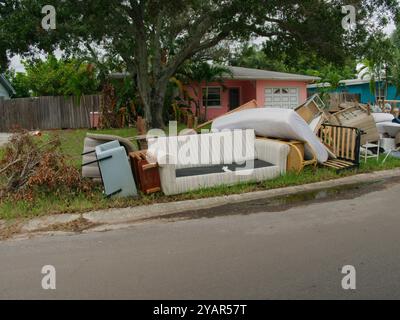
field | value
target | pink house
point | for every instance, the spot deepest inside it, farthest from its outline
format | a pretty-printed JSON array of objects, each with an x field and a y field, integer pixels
[{"x": 268, "y": 88}]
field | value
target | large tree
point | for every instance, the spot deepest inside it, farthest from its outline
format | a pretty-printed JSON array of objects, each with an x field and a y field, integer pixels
[{"x": 154, "y": 38}]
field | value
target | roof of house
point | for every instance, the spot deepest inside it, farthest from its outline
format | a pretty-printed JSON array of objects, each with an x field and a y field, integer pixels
[
  {"x": 7, "y": 85},
  {"x": 349, "y": 82},
  {"x": 241, "y": 73}
]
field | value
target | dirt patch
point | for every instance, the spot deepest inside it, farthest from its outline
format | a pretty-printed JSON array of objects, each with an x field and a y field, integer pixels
[
  {"x": 78, "y": 225},
  {"x": 8, "y": 231},
  {"x": 81, "y": 224}
]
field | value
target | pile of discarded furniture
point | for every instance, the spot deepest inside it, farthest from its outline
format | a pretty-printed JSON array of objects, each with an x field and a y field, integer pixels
[
  {"x": 119, "y": 165},
  {"x": 123, "y": 171},
  {"x": 379, "y": 129},
  {"x": 283, "y": 140},
  {"x": 343, "y": 129},
  {"x": 314, "y": 135}
]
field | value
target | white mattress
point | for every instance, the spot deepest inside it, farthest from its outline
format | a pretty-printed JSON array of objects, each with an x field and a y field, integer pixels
[
  {"x": 275, "y": 123},
  {"x": 392, "y": 129},
  {"x": 382, "y": 117}
]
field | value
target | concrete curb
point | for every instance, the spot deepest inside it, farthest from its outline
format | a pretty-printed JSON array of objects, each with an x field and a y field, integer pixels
[{"x": 158, "y": 210}]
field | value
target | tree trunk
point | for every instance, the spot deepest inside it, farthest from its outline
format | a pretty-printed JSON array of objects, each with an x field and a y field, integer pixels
[
  {"x": 153, "y": 112},
  {"x": 157, "y": 120},
  {"x": 157, "y": 104},
  {"x": 206, "y": 106},
  {"x": 153, "y": 102},
  {"x": 197, "y": 100}
]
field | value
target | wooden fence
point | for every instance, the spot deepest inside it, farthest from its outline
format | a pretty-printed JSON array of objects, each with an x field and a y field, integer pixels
[{"x": 48, "y": 112}]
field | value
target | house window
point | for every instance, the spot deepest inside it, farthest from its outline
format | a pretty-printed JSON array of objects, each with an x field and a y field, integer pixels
[{"x": 212, "y": 96}]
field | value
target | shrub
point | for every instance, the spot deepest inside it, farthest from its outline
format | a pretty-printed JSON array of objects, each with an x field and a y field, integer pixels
[{"x": 31, "y": 165}]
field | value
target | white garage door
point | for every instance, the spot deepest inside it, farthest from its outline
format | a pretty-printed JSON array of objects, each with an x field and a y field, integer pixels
[{"x": 287, "y": 98}]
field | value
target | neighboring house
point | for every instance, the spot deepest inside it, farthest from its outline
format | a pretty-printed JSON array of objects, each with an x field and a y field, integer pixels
[
  {"x": 6, "y": 89},
  {"x": 360, "y": 87},
  {"x": 268, "y": 88}
]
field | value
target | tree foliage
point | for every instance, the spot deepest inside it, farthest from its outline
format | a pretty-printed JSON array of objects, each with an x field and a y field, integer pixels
[
  {"x": 55, "y": 77},
  {"x": 381, "y": 62},
  {"x": 154, "y": 38}
]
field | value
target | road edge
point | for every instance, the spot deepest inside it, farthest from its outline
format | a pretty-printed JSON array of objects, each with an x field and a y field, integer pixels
[{"x": 113, "y": 218}]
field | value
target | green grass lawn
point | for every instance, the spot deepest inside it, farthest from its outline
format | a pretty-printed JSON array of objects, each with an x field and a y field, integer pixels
[
  {"x": 72, "y": 144},
  {"x": 72, "y": 140}
]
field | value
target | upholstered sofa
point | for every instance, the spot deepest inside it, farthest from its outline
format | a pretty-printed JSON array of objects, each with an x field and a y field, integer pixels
[{"x": 228, "y": 165}]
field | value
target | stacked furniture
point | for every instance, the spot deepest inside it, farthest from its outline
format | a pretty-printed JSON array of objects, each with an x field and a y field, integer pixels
[
  {"x": 115, "y": 171},
  {"x": 295, "y": 160},
  {"x": 315, "y": 113},
  {"x": 90, "y": 143},
  {"x": 359, "y": 117},
  {"x": 277, "y": 123}
]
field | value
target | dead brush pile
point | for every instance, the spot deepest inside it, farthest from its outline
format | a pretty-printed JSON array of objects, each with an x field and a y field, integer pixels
[{"x": 31, "y": 166}]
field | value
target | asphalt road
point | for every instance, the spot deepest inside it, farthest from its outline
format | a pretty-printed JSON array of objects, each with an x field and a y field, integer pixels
[{"x": 287, "y": 254}]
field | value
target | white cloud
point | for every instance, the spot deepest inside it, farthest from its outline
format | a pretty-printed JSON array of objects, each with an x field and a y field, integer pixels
[
  {"x": 16, "y": 64},
  {"x": 16, "y": 61}
]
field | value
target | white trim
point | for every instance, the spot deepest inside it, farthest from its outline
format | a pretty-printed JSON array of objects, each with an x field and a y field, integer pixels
[
  {"x": 349, "y": 82},
  {"x": 212, "y": 107}
]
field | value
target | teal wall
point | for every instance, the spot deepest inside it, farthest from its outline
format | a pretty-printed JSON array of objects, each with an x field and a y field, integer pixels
[{"x": 362, "y": 89}]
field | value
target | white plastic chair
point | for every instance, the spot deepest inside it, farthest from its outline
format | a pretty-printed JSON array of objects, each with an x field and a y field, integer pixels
[{"x": 368, "y": 146}]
